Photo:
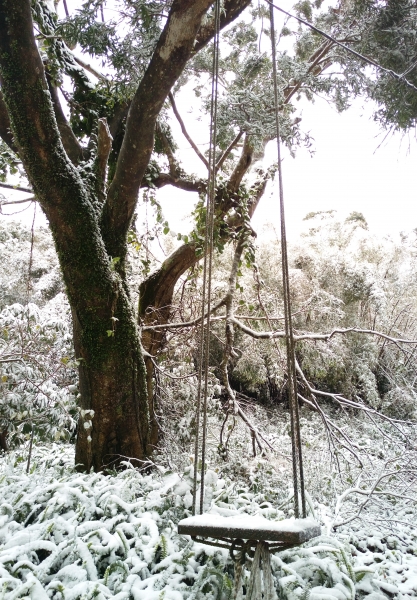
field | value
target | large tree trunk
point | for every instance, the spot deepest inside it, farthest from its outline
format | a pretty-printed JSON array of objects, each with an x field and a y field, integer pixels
[
  {"x": 112, "y": 371},
  {"x": 112, "y": 383}
]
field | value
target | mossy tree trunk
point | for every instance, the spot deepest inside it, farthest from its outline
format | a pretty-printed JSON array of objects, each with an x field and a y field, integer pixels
[{"x": 89, "y": 221}]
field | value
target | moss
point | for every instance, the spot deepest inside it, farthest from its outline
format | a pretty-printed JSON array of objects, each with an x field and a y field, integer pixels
[{"x": 112, "y": 372}]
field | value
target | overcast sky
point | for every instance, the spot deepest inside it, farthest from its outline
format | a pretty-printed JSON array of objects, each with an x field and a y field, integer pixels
[{"x": 352, "y": 169}]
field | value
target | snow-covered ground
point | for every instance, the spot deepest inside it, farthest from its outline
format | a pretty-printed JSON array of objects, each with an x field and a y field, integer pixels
[{"x": 65, "y": 535}]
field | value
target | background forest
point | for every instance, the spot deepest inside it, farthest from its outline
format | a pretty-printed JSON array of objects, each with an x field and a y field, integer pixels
[{"x": 99, "y": 313}]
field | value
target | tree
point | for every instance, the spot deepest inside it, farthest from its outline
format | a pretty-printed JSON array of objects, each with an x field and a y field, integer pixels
[
  {"x": 389, "y": 35},
  {"x": 90, "y": 207},
  {"x": 90, "y": 220},
  {"x": 86, "y": 173}
]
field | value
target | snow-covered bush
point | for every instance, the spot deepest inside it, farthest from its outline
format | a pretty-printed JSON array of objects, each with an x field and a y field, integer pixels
[
  {"x": 37, "y": 375},
  {"x": 29, "y": 270},
  {"x": 340, "y": 277},
  {"x": 37, "y": 372},
  {"x": 69, "y": 536}
]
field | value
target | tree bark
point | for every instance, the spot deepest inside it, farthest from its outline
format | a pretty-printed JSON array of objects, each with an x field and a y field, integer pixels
[
  {"x": 112, "y": 380},
  {"x": 107, "y": 344}
]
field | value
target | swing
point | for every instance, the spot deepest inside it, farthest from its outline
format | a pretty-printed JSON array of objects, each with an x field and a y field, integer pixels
[{"x": 247, "y": 534}]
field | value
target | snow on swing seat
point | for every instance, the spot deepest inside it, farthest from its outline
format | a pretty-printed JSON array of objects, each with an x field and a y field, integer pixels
[{"x": 288, "y": 532}]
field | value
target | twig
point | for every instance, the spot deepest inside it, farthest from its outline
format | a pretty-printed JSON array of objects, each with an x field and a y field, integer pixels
[
  {"x": 8, "y": 202},
  {"x": 17, "y": 188},
  {"x": 189, "y": 323},
  {"x": 184, "y": 130},
  {"x": 228, "y": 150},
  {"x": 370, "y": 61}
]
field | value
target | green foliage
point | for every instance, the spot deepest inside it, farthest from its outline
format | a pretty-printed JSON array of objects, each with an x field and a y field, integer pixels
[
  {"x": 9, "y": 162},
  {"x": 388, "y": 36},
  {"x": 35, "y": 385}
]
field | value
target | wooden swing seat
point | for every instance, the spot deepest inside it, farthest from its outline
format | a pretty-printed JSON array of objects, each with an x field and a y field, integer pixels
[{"x": 284, "y": 534}]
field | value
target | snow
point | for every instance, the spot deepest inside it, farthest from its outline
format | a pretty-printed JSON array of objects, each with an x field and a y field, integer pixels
[
  {"x": 69, "y": 536},
  {"x": 244, "y": 522},
  {"x": 254, "y": 527}
]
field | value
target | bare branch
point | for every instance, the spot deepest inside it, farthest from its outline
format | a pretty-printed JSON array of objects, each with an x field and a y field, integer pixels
[
  {"x": 185, "y": 132},
  {"x": 328, "y": 336},
  {"x": 316, "y": 66},
  {"x": 9, "y": 202},
  {"x": 89, "y": 68},
  {"x": 189, "y": 323},
  {"x": 228, "y": 150},
  {"x": 17, "y": 188},
  {"x": 319, "y": 336}
]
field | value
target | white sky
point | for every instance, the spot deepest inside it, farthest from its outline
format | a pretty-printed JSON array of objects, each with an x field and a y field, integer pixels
[{"x": 350, "y": 171}]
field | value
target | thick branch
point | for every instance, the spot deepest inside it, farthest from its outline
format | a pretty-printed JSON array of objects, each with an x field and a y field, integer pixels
[
  {"x": 172, "y": 52},
  {"x": 56, "y": 182},
  {"x": 188, "y": 185},
  {"x": 228, "y": 150},
  {"x": 155, "y": 293},
  {"x": 231, "y": 9},
  {"x": 5, "y": 127},
  {"x": 172, "y": 161},
  {"x": 70, "y": 142},
  {"x": 242, "y": 166},
  {"x": 104, "y": 143},
  {"x": 316, "y": 66},
  {"x": 30, "y": 108}
]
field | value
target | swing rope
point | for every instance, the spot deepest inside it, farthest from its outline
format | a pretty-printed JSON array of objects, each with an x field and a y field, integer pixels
[
  {"x": 204, "y": 345},
  {"x": 297, "y": 459}
]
